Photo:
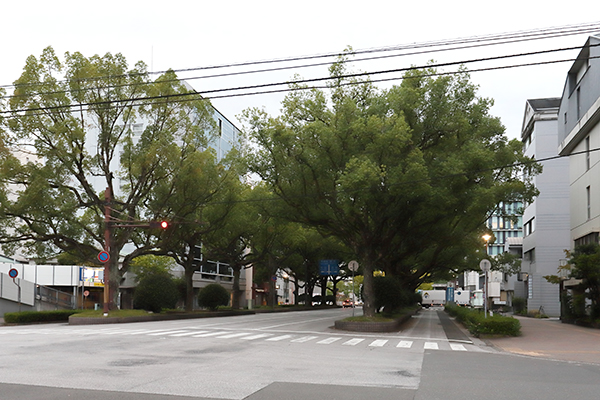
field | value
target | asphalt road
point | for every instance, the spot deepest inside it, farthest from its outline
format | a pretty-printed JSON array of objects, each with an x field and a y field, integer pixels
[{"x": 275, "y": 356}]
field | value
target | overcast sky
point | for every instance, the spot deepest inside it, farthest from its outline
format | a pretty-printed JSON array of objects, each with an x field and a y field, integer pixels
[{"x": 188, "y": 34}]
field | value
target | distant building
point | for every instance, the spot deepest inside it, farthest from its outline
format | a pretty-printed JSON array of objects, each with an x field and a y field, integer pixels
[
  {"x": 506, "y": 222},
  {"x": 579, "y": 138},
  {"x": 546, "y": 224}
]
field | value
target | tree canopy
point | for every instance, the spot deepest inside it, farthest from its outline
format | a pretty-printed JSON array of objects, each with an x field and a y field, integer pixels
[
  {"x": 405, "y": 177},
  {"x": 81, "y": 127}
]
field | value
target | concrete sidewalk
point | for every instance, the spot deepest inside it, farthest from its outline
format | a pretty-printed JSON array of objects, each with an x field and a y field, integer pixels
[{"x": 550, "y": 338}]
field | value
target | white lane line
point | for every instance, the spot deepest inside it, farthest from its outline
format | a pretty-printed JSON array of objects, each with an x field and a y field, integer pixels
[
  {"x": 233, "y": 335},
  {"x": 165, "y": 333},
  {"x": 329, "y": 340},
  {"x": 278, "y": 338},
  {"x": 431, "y": 346},
  {"x": 259, "y": 336},
  {"x": 352, "y": 342},
  {"x": 188, "y": 333},
  {"x": 405, "y": 344},
  {"x": 149, "y": 331},
  {"x": 212, "y": 334},
  {"x": 304, "y": 339},
  {"x": 457, "y": 347},
  {"x": 378, "y": 343}
]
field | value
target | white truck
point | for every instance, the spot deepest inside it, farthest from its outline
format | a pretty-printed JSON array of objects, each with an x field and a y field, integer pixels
[{"x": 433, "y": 298}]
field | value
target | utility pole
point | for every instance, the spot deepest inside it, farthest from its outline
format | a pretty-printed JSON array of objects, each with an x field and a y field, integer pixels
[{"x": 107, "y": 215}]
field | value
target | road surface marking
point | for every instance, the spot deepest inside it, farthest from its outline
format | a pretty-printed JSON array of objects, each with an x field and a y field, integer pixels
[
  {"x": 405, "y": 344},
  {"x": 259, "y": 336},
  {"x": 457, "y": 347},
  {"x": 212, "y": 334},
  {"x": 304, "y": 339},
  {"x": 188, "y": 333},
  {"x": 431, "y": 346},
  {"x": 233, "y": 335},
  {"x": 278, "y": 338},
  {"x": 352, "y": 342},
  {"x": 378, "y": 343},
  {"x": 165, "y": 333},
  {"x": 329, "y": 340}
]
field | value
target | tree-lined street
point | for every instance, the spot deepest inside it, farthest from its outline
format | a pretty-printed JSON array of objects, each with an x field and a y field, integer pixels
[{"x": 270, "y": 356}]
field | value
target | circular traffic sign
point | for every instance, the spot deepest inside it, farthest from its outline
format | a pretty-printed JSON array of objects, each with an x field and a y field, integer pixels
[
  {"x": 103, "y": 256},
  {"x": 485, "y": 265},
  {"x": 353, "y": 266},
  {"x": 86, "y": 293},
  {"x": 13, "y": 273}
]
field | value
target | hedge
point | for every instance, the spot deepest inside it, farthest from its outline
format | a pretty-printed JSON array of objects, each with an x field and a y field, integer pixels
[
  {"x": 24, "y": 317},
  {"x": 475, "y": 321}
]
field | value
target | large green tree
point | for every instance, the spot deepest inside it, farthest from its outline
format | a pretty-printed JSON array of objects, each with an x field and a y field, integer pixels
[
  {"x": 81, "y": 127},
  {"x": 405, "y": 177}
]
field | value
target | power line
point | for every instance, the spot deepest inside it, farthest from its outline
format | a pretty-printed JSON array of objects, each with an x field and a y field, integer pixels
[
  {"x": 173, "y": 98},
  {"x": 479, "y": 40}
]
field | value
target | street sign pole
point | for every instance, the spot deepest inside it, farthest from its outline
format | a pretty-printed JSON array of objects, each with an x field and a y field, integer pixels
[{"x": 353, "y": 266}]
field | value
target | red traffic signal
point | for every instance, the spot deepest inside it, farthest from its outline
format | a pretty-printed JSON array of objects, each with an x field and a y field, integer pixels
[{"x": 159, "y": 224}]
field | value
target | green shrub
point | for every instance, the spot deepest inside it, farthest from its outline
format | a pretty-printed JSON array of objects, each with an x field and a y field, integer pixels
[
  {"x": 519, "y": 305},
  {"x": 212, "y": 296},
  {"x": 155, "y": 292},
  {"x": 38, "y": 316},
  {"x": 476, "y": 322}
]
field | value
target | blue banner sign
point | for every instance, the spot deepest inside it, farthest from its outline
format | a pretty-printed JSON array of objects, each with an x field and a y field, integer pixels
[{"x": 329, "y": 267}]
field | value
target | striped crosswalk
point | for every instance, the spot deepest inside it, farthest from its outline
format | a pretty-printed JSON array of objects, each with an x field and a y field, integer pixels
[{"x": 196, "y": 333}]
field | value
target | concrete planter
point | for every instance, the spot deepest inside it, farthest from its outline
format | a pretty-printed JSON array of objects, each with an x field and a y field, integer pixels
[{"x": 387, "y": 326}]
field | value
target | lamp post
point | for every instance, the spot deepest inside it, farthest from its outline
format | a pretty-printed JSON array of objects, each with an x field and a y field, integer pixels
[{"x": 485, "y": 266}]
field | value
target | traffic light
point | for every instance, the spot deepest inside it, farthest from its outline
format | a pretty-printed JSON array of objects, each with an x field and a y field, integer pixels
[{"x": 159, "y": 224}]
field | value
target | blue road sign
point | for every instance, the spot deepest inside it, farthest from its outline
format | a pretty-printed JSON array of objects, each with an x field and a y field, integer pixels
[
  {"x": 103, "y": 256},
  {"x": 329, "y": 267},
  {"x": 13, "y": 273}
]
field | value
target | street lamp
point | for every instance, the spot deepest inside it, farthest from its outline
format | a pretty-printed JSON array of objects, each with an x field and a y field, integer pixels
[{"x": 485, "y": 266}]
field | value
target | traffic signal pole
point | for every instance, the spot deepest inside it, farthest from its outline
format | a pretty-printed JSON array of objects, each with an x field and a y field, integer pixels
[{"x": 107, "y": 199}]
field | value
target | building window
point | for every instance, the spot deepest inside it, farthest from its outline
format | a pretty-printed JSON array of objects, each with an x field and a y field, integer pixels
[
  {"x": 587, "y": 153},
  {"x": 220, "y": 127},
  {"x": 529, "y": 227},
  {"x": 529, "y": 256},
  {"x": 578, "y": 99},
  {"x": 588, "y": 196},
  {"x": 565, "y": 118},
  {"x": 591, "y": 238}
]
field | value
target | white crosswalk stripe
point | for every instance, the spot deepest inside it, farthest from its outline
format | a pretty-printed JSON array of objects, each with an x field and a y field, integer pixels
[
  {"x": 278, "y": 338},
  {"x": 353, "y": 342},
  {"x": 304, "y": 339},
  {"x": 259, "y": 336},
  {"x": 233, "y": 335},
  {"x": 211, "y": 334},
  {"x": 165, "y": 333},
  {"x": 329, "y": 340},
  {"x": 189, "y": 333},
  {"x": 378, "y": 343}
]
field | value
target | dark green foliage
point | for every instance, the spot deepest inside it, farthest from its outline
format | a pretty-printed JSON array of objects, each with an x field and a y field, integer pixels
[
  {"x": 519, "y": 305},
  {"x": 391, "y": 296},
  {"x": 155, "y": 292},
  {"x": 38, "y": 316},
  {"x": 477, "y": 324},
  {"x": 212, "y": 296}
]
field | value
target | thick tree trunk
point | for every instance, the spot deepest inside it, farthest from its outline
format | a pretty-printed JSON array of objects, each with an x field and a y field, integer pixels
[
  {"x": 189, "y": 284},
  {"x": 235, "y": 301}
]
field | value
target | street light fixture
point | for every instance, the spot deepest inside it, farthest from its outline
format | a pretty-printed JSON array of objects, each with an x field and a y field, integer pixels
[{"x": 485, "y": 266}]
